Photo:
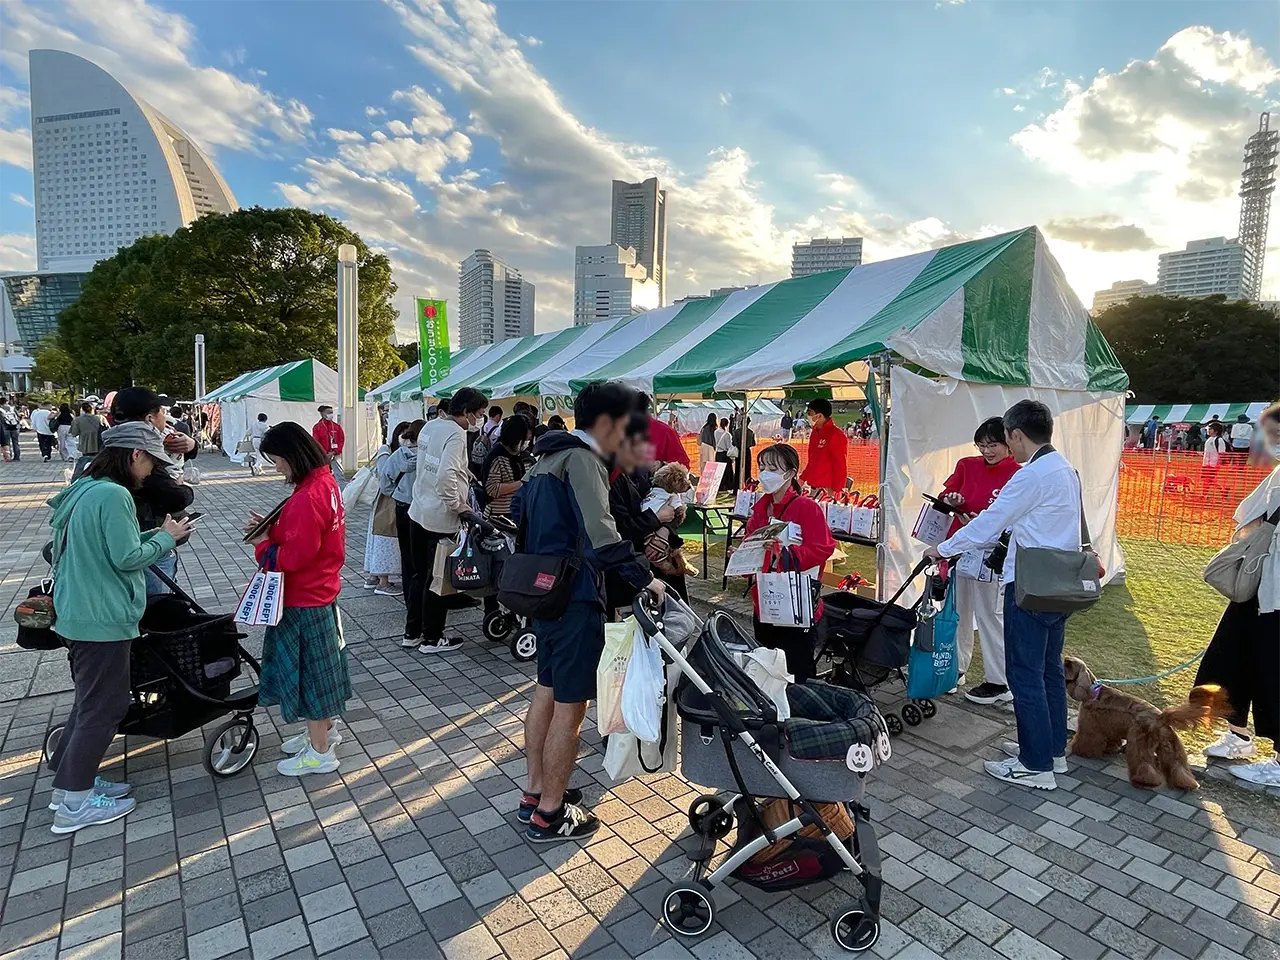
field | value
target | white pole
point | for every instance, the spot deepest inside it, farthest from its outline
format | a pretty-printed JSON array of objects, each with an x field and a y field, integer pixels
[
  {"x": 200, "y": 382},
  {"x": 348, "y": 355},
  {"x": 882, "y": 546}
]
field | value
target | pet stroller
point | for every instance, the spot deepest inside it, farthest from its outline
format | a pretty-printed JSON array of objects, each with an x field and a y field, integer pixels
[
  {"x": 732, "y": 740},
  {"x": 181, "y": 670},
  {"x": 867, "y": 643},
  {"x": 493, "y": 535}
]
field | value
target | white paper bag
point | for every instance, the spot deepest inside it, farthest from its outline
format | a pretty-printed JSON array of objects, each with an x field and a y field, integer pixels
[
  {"x": 865, "y": 522},
  {"x": 931, "y": 526},
  {"x": 972, "y": 566},
  {"x": 743, "y": 503},
  {"x": 262, "y": 602},
  {"x": 786, "y": 599},
  {"x": 840, "y": 517},
  {"x": 611, "y": 675}
]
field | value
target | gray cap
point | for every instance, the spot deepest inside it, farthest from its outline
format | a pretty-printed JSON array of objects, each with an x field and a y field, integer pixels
[{"x": 138, "y": 435}]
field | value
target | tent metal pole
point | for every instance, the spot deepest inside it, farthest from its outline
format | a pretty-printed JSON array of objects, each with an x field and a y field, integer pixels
[
  {"x": 743, "y": 451},
  {"x": 882, "y": 550}
]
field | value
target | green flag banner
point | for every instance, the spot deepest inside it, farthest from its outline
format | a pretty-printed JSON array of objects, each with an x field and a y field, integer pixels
[{"x": 433, "y": 340}]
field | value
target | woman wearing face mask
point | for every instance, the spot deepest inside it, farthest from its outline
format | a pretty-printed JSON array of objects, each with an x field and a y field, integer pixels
[
  {"x": 381, "y": 548},
  {"x": 396, "y": 474},
  {"x": 779, "y": 467},
  {"x": 503, "y": 475},
  {"x": 1243, "y": 656},
  {"x": 971, "y": 488}
]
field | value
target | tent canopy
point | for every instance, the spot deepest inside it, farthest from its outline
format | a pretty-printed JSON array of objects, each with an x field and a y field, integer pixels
[
  {"x": 1193, "y": 412},
  {"x": 995, "y": 310},
  {"x": 300, "y": 381}
]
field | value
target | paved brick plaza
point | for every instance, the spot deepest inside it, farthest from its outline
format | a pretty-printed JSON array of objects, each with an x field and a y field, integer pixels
[{"x": 412, "y": 850}]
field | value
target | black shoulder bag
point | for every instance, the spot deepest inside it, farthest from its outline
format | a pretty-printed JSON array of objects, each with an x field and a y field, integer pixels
[{"x": 535, "y": 585}]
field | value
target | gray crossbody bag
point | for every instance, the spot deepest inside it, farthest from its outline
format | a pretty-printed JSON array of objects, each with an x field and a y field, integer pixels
[{"x": 1048, "y": 580}]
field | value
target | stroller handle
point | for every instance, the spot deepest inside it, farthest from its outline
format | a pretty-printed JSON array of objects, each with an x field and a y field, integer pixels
[
  {"x": 490, "y": 526},
  {"x": 648, "y": 610}
]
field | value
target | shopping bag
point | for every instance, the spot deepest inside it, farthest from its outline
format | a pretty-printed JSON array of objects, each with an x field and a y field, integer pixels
[
  {"x": 865, "y": 522},
  {"x": 191, "y": 474},
  {"x": 840, "y": 517},
  {"x": 933, "y": 668},
  {"x": 768, "y": 668},
  {"x": 611, "y": 674},
  {"x": 744, "y": 503},
  {"x": 262, "y": 602},
  {"x": 973, "y": 566},
  {"x": 932, "y": 525},
  {"x": 363, "y": 488},
  {"x": 786, "y": 595},
  {"x": 627, "y": 755},
  {"x": 440, "y": 584},
  {"x": 643, "y": 689}
]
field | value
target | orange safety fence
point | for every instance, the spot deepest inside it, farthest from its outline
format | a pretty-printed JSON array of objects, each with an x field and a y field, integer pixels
[{"x": 1167, "y": 496}]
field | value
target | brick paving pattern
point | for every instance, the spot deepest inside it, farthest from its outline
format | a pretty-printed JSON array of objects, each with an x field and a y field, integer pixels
[{"x": 412, "y": 849}]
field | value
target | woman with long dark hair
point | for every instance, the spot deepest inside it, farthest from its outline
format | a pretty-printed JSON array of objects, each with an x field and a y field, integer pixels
[
  {"x": 304, "y": 657},
  {"x": 99, "y": 591},
  {"x": 63, "y": 424},
  {"x": 396, "y": 474},
  {"x": 779, "y": 471},
  {"x": 381, "y": 548},
  {"x": 503, "y": 475}
]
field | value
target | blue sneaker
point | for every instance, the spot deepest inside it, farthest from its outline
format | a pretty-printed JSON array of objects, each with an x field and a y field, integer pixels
[
  {"x": 116, "y": 791},
  {"x": 97, "y": 809}
]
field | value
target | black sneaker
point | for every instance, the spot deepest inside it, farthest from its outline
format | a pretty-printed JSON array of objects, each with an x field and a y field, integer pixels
[
  {"x": 570, "y": 823},
  {"x": 989, "y": 693},
  {"x": 443, "y": 645},
  {"x": 529, "y": 802}
]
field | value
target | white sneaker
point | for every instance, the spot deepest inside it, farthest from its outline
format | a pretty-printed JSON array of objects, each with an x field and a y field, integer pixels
[
  {"x": 1232, "y": 746},
  {"x": 410, "y": 643},
  {"x": 443, "y": 645},
  {"x": 296, "y": 744},
  {"x": 369, "y": 584},
  {"x": 1012, "y": 771},
  {"x": 1011, "y": 749},
  {"x": 1264, "y": 772},
  {"x": 308, "y": 761}
]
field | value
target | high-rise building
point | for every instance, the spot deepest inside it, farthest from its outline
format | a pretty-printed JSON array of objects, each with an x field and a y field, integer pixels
[
  {"x": 715, "y": 292},
  {"x": 1119, "y": 292},
  {"x": 35, "y": 301},
  {"x": 494, "y": 302},
  {"x": 825, "y": 253},
  {"x": 1257, "y": 184},
  {"x": 1205, "y": 267},
  {"x": 608, "y": 282},
  {"x": 108, "y": 167},
  {"x": 639, "y": 220}
]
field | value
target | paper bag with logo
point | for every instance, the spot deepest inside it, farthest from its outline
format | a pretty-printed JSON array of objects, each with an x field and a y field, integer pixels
[
  {"x": 786, "y": 595},
  {"x": 840, "y": 516},
  {"x": 866, "y": 520},
  {"x": 262, "y": 602},
  {"x": 440, "y": 584},
  {"x": 973, "y": 566},
  {"x": 932, "y": 525},
  {"x": 743, "y": 503}
]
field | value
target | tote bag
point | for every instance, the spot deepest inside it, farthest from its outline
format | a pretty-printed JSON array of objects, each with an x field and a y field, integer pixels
[
  {"x": 262, "y": 602},
  {"x": 932, "y": 668},
  {"x": 786, "y": 595},
  {"x": 1235, "y": 571}
]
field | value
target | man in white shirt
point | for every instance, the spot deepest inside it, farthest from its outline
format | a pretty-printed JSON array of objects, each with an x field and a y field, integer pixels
[
  {"x": 44, "y": 430},
  {"x": 1040, "y": 506},
  {"x": 1241, "y": 436}
]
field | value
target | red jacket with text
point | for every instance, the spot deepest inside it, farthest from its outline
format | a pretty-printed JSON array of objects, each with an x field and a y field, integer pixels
[
  {"x": 828, "y": 466},
  {"x": 310, "y": 541},
  {"x": 328, "y": 433}
]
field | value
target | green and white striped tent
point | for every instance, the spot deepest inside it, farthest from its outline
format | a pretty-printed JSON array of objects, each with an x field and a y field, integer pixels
[
  {"x": 287, "y": 391},
  {"x": 1193, "y": 412}
]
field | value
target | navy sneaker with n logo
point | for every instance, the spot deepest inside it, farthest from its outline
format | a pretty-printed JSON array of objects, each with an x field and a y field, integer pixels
[{"x": 570, "y": 822}]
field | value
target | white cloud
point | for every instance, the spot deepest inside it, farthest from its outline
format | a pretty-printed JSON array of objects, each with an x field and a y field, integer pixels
[
  {"x": 531, "y": 41},
  {"x": 374, "y": 111},
  {"x": 429, "y": 114},
  {"x": 15, "y": 127},
  {"x": 20, "y": 200},
  {"x": 344, "y": 136},
  {"x": 153, "y": 53},
  {"x": 17, "y": 251},
  {"x": 726, "y": 99}
]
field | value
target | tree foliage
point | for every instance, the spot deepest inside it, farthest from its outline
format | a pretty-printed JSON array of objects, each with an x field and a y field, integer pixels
[
  {"x": 408, "y": 353},
  {"x": 1205, "y": 350},
  {"x": 261, "y": 285},
  {"x": 52, "y": 363}
]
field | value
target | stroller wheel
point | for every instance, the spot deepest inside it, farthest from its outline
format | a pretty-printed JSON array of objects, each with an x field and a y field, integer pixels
[
  {"x": 230, "y": 748},
  {"x": 929, "y": 709},
  {"x": 855, "y": 931},
  {"x": 893, "y": 723},
  {"x": 496, "y": 626},
  {"x": 524, "y": 646},
  {"x": 51, "y": 741},
  {"x": 709, "y": 818},
  {"x": 688, "y": 909},
  {"x": 912, "y": 715}
]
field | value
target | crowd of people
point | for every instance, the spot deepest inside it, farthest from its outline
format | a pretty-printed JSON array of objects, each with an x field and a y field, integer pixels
[{"x": 576, "y": 493}]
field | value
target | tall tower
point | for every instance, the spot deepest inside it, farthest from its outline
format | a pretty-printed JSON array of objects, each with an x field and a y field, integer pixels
[
  {"x": 639, "y": 221},
  {"x": 1256, "y": 186}
]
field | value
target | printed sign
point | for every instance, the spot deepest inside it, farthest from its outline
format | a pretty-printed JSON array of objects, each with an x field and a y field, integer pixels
[
  {"x": 433, "y": 340},
  {"x": 709, "y": 483}
]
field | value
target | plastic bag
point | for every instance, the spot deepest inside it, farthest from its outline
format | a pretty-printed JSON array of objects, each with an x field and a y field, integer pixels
[
  {"x": 643, "y": 689},
  {"x": 611, "y": 674},
  {"x": 362, "y": 489}
]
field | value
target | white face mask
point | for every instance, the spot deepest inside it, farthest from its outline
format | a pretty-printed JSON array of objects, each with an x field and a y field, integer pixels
[
  {"x": 329, "y": 415},
  {"x": 406, "y": 442},
  {"x": 771, "y": 481}
]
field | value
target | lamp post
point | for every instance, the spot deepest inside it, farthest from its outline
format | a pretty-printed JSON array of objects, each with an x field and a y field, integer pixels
[
  {"x": 348, "y": 355},
  {"x": 200, "y": 385}
]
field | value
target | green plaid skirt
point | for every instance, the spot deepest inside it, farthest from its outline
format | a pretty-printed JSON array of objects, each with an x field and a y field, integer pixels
[{"x": 304, "y": 665}]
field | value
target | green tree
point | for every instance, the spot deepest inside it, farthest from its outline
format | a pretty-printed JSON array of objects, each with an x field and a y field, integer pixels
[
  {"x": 261, "y": 285},
  {"x": 408, "y": 353},
  {"x": 1205, "y": 350},
  {"x": 52, "y": 363}
]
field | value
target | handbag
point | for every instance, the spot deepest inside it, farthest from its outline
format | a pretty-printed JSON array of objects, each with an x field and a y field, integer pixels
[
  {"x": 1235, "y": 571},
  {"x": 536, "y": 585},
  {"x": 384, "y": 516},
  {"x": 1049, "y": 580},
  {"x": 468, "y": 568},
  {"x": 35, "y": 616},
  {"x": 244, "y": 446}
]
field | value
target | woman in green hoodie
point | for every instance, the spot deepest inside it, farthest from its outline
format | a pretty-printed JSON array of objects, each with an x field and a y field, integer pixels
[{"x": 99, "y": 594}]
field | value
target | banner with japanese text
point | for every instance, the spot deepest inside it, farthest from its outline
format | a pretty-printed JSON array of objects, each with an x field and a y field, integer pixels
[{"x": 433, "y": 340}]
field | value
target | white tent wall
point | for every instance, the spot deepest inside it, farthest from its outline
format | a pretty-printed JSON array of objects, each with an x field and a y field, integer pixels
[
  {"x": 238, "y": 415},
  {"x": 931, "y": 425},
  {"x": 405, "y": 410}
]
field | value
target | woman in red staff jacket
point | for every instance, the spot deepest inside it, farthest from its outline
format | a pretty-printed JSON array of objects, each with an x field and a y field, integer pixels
[
  {"x": 304, "y": 658},
  {"x": 972, "y": 487},
  {"x": 779, "y": 466},
  {"x": 828, "y": 466}
]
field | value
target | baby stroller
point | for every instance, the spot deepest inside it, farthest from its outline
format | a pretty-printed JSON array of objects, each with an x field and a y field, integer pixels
[
  {"x": 732, "y": 740},
  {"x": 180, "y": 673},
  {"x": 501, "y": 625},
  {"x": 868, "y": 643}
]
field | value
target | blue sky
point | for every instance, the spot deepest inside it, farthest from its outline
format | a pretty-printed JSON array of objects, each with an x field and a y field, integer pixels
[{"x": 434, "y": 129}]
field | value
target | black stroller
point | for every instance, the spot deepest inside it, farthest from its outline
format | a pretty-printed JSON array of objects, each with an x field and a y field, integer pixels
[
  {"x": 501, "y": 625},
  {"x": 866, "y": 643},
  {"x": 180, "y": 674},
  {"x": 731, "y": 740}
]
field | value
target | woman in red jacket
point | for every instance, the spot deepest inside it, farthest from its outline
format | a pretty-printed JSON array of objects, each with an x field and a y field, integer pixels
[
  {"x": 972, "y": 487},
  {"x": 304, "y": 658},
  {"x": 779, "y": 466}
]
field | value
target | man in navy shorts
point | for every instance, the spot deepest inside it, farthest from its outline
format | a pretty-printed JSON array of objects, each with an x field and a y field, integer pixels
[{"x": 565, "y": 500}]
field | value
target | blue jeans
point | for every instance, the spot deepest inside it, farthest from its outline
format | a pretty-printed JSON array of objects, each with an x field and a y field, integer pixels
[
  {"x": 1033, "y": 655},
  {"x": 169, "y": 565}
]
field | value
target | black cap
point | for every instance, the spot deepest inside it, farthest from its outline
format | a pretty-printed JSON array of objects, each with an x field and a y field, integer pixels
[{"x": 134, "y": 403}]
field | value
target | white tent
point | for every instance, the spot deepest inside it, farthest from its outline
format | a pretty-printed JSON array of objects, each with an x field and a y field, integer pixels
[{"x": 289, "y": 391}]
